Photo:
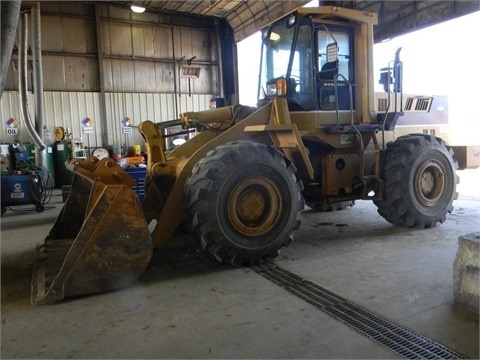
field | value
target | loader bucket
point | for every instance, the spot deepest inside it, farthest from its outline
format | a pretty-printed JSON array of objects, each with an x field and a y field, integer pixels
[{"x": 99, "y": 242}]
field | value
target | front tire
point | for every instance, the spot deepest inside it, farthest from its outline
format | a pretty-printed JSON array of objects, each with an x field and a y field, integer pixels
[
  {"x": 243, "y": 202},
  {"x": 419, "y": 182}
]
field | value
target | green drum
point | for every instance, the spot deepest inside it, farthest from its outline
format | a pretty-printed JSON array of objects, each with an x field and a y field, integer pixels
[{"x": 62, "y": 153}]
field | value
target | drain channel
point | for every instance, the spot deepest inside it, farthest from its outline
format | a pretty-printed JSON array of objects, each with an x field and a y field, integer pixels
[{"x": 392, "y": 336}]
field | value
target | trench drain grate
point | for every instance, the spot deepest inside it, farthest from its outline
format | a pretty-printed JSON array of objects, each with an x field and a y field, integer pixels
[{"x": 394, "y": 337}]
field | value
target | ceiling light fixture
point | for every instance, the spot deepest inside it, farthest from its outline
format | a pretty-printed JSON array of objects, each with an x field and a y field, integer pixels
[{"x": 137, "y": 9}]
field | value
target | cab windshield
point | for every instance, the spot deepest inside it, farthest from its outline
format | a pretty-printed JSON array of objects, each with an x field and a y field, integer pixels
[
  {"x": 287, "y": 53},
  {"x": 277, "y": 47}
]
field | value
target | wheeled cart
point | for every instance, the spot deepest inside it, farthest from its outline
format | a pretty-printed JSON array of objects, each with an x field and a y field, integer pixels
[{"x": 22, "y": 190}]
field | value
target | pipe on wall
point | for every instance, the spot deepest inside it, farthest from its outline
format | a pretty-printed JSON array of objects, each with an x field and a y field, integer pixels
[
  {"x": 23, "y": 83},
  {"x": 101, "y": 74},
  {"x": 40, "y": 156},
  {"x": 174, "y": 68},
  {"x": 37, "y": 68}
]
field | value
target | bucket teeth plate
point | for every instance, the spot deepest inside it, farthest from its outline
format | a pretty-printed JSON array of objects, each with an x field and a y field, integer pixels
[{"x": 48, "y": 261}]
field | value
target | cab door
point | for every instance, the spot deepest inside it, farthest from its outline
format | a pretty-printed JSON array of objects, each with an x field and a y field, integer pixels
[{"x": 335, "y": 75}]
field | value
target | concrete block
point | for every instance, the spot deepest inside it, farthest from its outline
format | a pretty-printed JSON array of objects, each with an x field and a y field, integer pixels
[{"x": 466, "y": 272}]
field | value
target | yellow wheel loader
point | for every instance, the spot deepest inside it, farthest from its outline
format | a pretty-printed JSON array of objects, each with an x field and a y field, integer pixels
[{"x": 319, "y": 136}]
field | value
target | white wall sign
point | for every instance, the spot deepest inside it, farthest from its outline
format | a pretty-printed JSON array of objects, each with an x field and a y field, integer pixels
[{"x": 12, "y": 131}]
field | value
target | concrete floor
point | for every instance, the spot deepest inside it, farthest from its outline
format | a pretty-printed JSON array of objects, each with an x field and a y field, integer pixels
[{"x": 187, "y": 306}]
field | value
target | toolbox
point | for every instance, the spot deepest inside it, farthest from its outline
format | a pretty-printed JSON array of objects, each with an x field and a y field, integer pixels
[{"x": 139, "y": 174}]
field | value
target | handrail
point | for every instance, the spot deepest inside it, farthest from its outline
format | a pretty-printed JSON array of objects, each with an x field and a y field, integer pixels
[{"x": 350, "y": 97}]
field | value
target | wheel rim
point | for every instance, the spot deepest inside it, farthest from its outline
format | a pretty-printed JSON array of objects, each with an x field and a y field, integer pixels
[
  {"x": 430, "y": 183},
  {"x": 254, "y": 206}
]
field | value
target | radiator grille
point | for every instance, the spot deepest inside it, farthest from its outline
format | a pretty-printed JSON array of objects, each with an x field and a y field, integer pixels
[
  {"x": 418, "y": 104},
  {"x": 382, "y": 104}
]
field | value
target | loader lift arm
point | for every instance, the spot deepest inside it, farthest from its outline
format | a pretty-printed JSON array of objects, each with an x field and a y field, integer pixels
[{"x": 179, "y": 163}]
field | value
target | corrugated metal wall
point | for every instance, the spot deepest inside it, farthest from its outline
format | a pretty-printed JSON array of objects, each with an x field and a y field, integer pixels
[
  {"x": 143, "y": 57},
  {"x": 68, "y": 109}
]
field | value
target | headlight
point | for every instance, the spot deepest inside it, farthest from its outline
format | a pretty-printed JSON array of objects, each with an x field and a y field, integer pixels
[
  {"x": 279, "y": 88},
  {"x": 272, "y": 90}
]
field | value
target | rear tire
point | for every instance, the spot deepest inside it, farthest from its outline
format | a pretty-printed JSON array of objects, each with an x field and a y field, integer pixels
[
  {"x": 419, "y": 182},
  {"x": 243, "y": 202}
]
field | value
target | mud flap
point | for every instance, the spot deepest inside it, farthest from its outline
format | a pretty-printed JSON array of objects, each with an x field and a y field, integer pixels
[{"x": 99, "y": 242}]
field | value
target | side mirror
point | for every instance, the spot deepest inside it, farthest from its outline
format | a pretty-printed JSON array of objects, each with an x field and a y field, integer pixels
[{"x": 332, "y": 52}]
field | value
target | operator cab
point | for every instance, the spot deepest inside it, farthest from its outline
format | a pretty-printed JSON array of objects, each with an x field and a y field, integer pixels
[{"x": 310, "y": 64}]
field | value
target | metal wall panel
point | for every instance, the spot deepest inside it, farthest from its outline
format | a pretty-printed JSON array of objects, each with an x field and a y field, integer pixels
[
  {"x": 68, "y": 109},
  {"x": 137, "y": 56},
  {"x": 157, "y": 42},
  {"x": 51, "y": 27},
  {"x": 136, "y": 53},
  {"x": 63, "y": 73},
  {"x": 70, "y": 73},
  {"x": 69, "y": 55},
  {"x": 78, "y": 8},
  {"x": 164, "y": 78},
  {"x": 122, "y": 72},
  {"x": 142, "y": 40},
  {"x": 138, "y": 107},
  {"x": 77, "y": 35},
  {"x": 146, "y": 76},
  {"x": 119, "y": 39},
  {"x": 196, "y": 43}
]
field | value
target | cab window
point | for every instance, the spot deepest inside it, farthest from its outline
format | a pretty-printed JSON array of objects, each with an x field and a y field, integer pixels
[{"x": 342, "y": 38}]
